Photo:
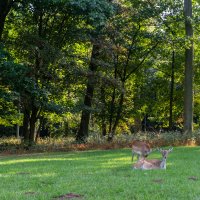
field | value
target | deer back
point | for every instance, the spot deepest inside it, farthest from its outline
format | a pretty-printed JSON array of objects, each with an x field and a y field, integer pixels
[{"x": 141, "y": 148}]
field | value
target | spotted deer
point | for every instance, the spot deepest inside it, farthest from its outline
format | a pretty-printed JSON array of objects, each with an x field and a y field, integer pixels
[
  {"x": 154, "y": 163},
  {"x": 141, "y": 149}
]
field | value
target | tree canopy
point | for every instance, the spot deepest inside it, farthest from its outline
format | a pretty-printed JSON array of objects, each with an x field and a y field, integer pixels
[{"x": 109, "y": 67}]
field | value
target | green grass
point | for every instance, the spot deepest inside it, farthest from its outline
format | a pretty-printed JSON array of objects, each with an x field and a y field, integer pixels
[{"x": 99, "y": 175}]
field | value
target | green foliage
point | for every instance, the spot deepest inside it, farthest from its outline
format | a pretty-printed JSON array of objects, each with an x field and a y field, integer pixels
[
  {"x": 95, "y": 13},
  {"x": 47, "y": 50}
]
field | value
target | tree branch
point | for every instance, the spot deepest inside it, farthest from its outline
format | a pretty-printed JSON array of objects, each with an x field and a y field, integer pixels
[{"x": 142, "y": 61}]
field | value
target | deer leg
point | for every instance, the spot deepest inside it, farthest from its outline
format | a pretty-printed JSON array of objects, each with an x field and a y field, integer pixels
[
  {"x": 133, "y": 153},
  {"x": 138, "y": 156}
]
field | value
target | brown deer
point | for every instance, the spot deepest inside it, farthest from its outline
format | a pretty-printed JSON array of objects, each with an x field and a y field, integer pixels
[
  {"x": 154, "y": 163},
  {"x": 141, "y": 149}
]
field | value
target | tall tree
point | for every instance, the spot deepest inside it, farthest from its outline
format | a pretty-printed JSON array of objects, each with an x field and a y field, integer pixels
[
  {"x": 99, "y": 25},
  {"x": 44, "y": 33},
  {"x": 188, "y": 84},
  {"x": 5, "y": 6},
  {"x": 83, "y": 130}
]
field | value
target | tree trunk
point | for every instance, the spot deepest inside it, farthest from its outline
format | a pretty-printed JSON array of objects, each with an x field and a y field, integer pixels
[
  {"x": 83, "y": 129},
  {"x": 26, "y": 125},
  {"x": 17, "y": 131},
  {"x": 138, "y": 124},
  {"x": 5, "y": 6},
  {"x": 112, "y": 110},
  {"x": 103, "y": 112},
  {"x": 112, "y": 103},
  {"x": 188, "y": 84},
  {"x": 33, "y": 120},
  {"x": 171, "y": 92},
  {"x": 119, "y": 110}
]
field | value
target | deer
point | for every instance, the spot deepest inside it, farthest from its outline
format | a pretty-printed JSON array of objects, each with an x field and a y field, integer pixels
[
  {"x": 141, "y": 149},
  {"x": 154, "y": 163}
]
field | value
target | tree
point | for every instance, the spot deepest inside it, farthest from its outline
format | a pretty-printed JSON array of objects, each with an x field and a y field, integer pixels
[
  {"x": 5, "y": 6},
  {"x": 98, "y": 24},
  {"x": 188, "y": 84},
  {"x": 133, "y": 42},
  {"x": 83, "y": 130},
  {"x": 37, "y": 48}
]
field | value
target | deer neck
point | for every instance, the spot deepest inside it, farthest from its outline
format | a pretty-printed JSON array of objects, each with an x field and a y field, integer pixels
[{"x": 163, "y": 164}]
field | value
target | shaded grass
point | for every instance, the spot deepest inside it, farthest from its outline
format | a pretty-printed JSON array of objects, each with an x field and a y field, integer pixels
[{"x": 98, "y": 175}]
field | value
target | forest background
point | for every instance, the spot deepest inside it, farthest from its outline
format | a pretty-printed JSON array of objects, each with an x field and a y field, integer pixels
[{"x": 98, "y": 68}]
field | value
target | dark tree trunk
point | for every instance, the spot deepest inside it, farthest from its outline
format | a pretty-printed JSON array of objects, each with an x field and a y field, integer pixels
[
  {"x": 33, "y": 120},
  {"x": 118, "y": 117},
  {"x": 26, "y": 125},
  {"x": 41, "y": 121},
  {"x": 171, "y": 92},
  {"x": 5, "y": 6},
  {"x": 119, "y": 110},
  {"x": 112, "y": 110},
  {"x": 112, "y": 103},
  {"x": 188, "y": 84},
  {"x": 103, "y": 112},
  {"x": 83, "y": 129}
]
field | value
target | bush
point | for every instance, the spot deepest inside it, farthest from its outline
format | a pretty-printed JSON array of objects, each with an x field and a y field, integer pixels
[{"x": 95, "y": 141}]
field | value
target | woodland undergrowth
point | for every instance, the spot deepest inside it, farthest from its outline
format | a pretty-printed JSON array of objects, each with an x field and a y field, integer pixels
[{"x": 12, "y": 145}]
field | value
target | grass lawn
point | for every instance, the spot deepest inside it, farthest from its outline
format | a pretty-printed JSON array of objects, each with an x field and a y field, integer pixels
[{"x": 99, "y": 175}]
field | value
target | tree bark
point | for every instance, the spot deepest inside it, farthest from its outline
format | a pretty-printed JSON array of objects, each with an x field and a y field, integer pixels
[
  {"x": 5, "y": 6},
  {"x": 33, "y": 120},
  {"x": 112, "y": 103},
  {"x": 17, "y": 131},
  {"x": 83, "y": 129},
  {"x": 188, "y": 83},
  {"x": 26, "y": 125},
  {"x": 118, "y": 117},
  {"x": 103, "y": 112},
  {"x": 171, "y": 92}
]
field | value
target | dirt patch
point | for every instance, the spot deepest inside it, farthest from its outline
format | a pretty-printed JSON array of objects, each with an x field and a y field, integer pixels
[
  {"x": 23, "y": 173},
  {"x": 193, "y": 178},
  {"x": 30, "y": 193},
  {"x": 68, "y": 196},
  {"x": 157, "y": 181}
]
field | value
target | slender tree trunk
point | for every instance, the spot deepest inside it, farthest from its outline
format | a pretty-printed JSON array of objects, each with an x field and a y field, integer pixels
[
  {"x": 33, "y": 120},
  {"x": 26, "y": 125},
  {"x": 118, "y": 117},
  {"x": 41, "y": 120},
  {"x": 171, "y": 92},
  {"x": 112, "y": 103},
  {"x": 17, "y": 131},
  {"x": 121, "y": 101},
  {"x": 188, "y": 84},
  {"x": 83, "y": 129},
  {"x": 18, "y": 127},
  {"x": 5, "y": 6},
  {"x": 2, "y": 22},
  {"x": 112, "y": 110},
  {"x": 103, "y": 112},
  {"x": 138, "y": 122}
]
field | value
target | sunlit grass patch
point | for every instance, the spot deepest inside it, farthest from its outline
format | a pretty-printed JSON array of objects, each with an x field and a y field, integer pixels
[{"x": 99, "y": 175}]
